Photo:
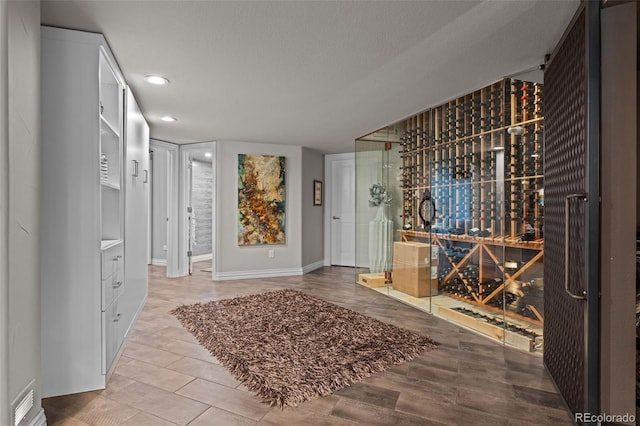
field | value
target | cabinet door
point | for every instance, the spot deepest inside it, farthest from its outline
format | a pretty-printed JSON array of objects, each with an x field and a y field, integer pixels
[
  {"x": 111, "y": 341},
  {"x": 112, "y": 274},
  {"x": 137, "y": 190}
]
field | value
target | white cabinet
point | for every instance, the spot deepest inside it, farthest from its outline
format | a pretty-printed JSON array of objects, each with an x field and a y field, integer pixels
[
  {"x": 112, "y": 266},
  {"x": 88, "y": 306},
  {"x": 137, "y": 193}
]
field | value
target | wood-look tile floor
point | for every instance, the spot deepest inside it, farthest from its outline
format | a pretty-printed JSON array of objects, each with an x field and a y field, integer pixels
[{"x": 165, "y": 377}]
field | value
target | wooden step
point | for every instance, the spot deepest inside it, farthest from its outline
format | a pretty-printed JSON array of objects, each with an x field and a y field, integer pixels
[
  {"x": 511, "y": 338},
  {"x": 372, "y": 280}
]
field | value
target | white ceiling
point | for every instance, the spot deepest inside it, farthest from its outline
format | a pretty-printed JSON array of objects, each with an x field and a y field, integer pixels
[{"x": 312, "y": 73}]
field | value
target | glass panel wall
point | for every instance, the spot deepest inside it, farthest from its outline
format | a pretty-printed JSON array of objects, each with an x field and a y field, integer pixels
[
  {"x": 450, "y": 211},
  {"x": 378, "y": 205}
]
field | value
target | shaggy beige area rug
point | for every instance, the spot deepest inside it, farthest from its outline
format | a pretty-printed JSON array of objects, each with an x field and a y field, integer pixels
[{"x": 289, "y": 347}]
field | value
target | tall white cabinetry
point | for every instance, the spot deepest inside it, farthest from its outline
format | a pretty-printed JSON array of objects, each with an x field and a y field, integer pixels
[
  {"x": 88, "y": 303},
  {"x": 137, "y": 195}
]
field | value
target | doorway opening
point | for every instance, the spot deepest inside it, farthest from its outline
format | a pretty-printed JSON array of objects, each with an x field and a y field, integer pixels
[
  {"x": 200, "y": 209},
  {"x": 163, "y": 212},
  {"x": 197, "y": 208}
]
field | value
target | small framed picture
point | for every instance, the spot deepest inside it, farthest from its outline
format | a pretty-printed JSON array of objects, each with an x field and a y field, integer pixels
[{"x": 317, "y": 192}]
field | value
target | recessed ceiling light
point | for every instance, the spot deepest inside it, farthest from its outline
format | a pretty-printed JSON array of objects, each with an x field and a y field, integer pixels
[
  {"x": 156, "y": 79},
  {"x": 168, "y": 119},
  {"x": 207, "y": 154}
]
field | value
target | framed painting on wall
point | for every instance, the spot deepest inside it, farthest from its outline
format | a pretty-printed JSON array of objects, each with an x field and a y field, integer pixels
[
  {"x": 261, "y": 199},
  {"x": 317, "y": 192}
]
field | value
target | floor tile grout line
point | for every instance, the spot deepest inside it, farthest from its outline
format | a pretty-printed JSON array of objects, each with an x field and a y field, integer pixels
[
  {"x": 156, "y": 414},
  {"x": 151, "y": 363}
]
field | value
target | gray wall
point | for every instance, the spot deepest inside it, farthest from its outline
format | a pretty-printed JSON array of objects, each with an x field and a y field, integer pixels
[
  {"x": 312, "y": 216},
  {"x": 201, "y": 193},
  {"x": 618, "y": 189},
  {"x": 23, "y": 207},
  {"x": 159, "y": 206},
  {"x": 4, "y": 220},
  {"x": 235, "y": 261}
]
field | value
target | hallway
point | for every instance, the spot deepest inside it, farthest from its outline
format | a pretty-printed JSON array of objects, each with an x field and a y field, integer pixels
[{"x": 165, "y": 377}]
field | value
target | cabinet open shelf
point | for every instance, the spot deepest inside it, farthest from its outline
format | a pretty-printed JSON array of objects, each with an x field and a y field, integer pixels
[
  {"x": 106, "y": 244},
  {"x": 111, "y": 208},
  {"x": 110, "y": 95},
  {"x": 106, "y": 125},
  {"x": 110, "y": 185},
  {"x": 110, "y": 156}
]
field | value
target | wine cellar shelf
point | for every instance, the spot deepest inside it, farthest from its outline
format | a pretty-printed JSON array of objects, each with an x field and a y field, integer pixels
[{"x": 480, "y": 159}]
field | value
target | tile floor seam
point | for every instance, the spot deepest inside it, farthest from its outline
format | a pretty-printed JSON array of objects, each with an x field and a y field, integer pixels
[
  {"x": 153, "y": 365},
  {"x": 177, "y": 360},
  {"x": 187, "y": 384},
  {"x": 169, "y": 420},
  {"x": 221, "y": 384},
  {"x": 221, "y": 409},
  {"x": 115, "y": 402}
]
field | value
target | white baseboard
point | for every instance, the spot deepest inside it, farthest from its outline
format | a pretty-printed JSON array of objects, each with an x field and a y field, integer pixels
[
  {"x": 159, "y": 262},
  {"x": 268, "y": 273},
  {"x": 39, "y": 419},
  {"x": 313, "y": 266},
  {"x": 265, "y": 273},
  {"x": 201, "y": 257}
]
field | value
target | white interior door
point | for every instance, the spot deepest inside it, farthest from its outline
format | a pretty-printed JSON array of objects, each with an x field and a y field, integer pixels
[{"x": 343, "y": 214}]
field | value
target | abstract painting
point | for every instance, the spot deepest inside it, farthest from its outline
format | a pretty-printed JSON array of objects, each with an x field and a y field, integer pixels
[{"x": 261, "y": 199}]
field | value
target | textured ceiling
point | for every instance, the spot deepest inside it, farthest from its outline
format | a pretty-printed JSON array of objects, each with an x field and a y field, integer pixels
[{"x": 312, "y": 73}]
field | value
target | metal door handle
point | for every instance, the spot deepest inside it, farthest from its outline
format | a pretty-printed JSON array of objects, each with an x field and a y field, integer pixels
[
  {"x": 583, "y": 197},
  {"x": 117, "y": 284},
  {"x": 117, "y": 318},
  {"x": 146, "y": 176},
  {"x": 335, "y": 218}
]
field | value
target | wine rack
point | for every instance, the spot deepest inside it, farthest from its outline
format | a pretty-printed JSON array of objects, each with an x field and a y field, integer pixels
[{"x": 480, "y": 159}]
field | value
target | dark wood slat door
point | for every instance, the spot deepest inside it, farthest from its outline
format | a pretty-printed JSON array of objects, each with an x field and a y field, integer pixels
[{"x": 570, "y": 305}]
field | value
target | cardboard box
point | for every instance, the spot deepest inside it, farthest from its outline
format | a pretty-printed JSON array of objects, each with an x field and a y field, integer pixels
[
  {"x": 416, "y": 253},
  {"x": 412, "y": 268}
]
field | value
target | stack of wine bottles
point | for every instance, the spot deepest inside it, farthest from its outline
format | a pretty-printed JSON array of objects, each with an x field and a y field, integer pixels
[{"x": 481, "y": 158}]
